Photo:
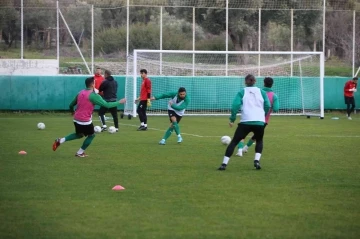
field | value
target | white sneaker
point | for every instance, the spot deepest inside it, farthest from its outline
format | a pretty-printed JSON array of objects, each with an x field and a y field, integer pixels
[
  {"x": 349, "y": 118},
  {"x": 162, "y": 142},
  {"x": 239, "y": 152}
]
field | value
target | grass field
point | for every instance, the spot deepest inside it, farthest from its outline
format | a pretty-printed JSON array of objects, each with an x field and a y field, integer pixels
[{"x": 308, "y": 187}]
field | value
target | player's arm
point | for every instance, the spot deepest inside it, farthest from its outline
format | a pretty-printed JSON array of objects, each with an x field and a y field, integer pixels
[
  {"x": 348, "y": 87},
  {"x": 148, "y": 88},
  {"x": 276, "y": 105},
  {"x": 183, "y": 105},
  {"x": 267, "y": 104},
  {"x": 97, "y": 100},
  {"x": 164, "y": 96},
  {"x": 73, "y": 103},
  {"x": 237, "y": 102},
  {"x": 102, "y": 86}
]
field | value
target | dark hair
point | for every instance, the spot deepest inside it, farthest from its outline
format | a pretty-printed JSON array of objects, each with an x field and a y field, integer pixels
[
  {"x": 97, "y": 68},
  {"x": 250, "y": 80},
  {"x": 89, "y": 81},
  {"x": 355, "y": 78},
  {"x": 143, "y": 71},
  {"x": 268, "y": 82},
  {"x": 107, "y": 72},
  {"x": 181, "y": 89}
]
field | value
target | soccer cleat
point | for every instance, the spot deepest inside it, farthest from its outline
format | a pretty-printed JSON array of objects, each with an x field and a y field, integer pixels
[
  {"x": 143, "y": 128},
  {"x": 349, "y": 118},
  {"x": 222, "y": 167},
  {"x": 162, "y": 142},
  {"x": 103, "y": 129},
  {"x": 140, "y": 128},
  {"x": 257, "y": 164},
  {"x": 117, "y": 130},
  {"x": 83, "y": 155},
  {"x": 239, "y": 152},
  {"x": 245, "y": 149},
  {"x": 179, "y": 139},
  {"x": 56, "y": 144}
]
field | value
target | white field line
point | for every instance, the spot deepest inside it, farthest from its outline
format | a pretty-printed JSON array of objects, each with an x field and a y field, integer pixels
[{"x": 218, "y": 136}]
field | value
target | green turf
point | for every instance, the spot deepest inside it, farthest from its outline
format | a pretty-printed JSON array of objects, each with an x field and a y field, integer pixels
[{"x": 309, "y": 186}]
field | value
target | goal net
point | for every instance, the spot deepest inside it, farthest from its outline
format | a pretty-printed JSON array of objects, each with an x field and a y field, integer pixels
[{"x": 213, "y": 78}]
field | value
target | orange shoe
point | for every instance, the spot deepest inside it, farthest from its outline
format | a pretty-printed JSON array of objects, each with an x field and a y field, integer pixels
[{"x": 56, "y": 144}]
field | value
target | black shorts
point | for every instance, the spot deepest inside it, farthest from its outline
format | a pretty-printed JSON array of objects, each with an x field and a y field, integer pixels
[
  {"x": 84, "y": 129},
  {"x": 349, "y": 100},
  {"x": 142, "y": 105},
  {"x": 172, "y": 113},
  {"x": 244, "y": 129}
]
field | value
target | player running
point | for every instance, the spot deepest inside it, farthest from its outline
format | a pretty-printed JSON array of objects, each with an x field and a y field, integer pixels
[
  {"x": 274, "y": 102},
  {"x": 85, "y": 101},
  {"x": 176, "y": 109}
]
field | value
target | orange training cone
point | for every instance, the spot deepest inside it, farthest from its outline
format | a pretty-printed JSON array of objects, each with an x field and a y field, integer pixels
[
  {"x": 118, "y": 188},
  {"x": 22, "y": 152}
]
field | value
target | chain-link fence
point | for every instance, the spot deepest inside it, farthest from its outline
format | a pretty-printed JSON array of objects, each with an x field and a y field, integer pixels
[{"x": 86, "y": 34}]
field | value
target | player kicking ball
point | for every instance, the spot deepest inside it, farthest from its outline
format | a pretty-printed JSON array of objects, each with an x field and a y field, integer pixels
[
  {"x": 274, "y": 102},
  {"x": 176, "y": 109},
  {"x": 85, "y": 101}
]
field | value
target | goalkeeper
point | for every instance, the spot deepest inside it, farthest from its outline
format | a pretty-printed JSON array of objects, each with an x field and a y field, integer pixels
[
  {"x": 176, "y": 109},
  {"x": 143, "y": 100},
  {"x": 349, "y": 89},
  {"x": 274, "y": 102}
]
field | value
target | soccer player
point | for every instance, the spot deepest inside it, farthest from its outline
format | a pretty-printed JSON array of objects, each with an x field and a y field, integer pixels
[
  {"x": 85, "y": 101},
  {"x": 109, "y": 89},
  {"x": 144, "y": 99},
  {"x": 255, "y": 105},
  {"x": 98, "y": 80},
  {"x": 176, "y": 109},
  {"x": 349, "y": 89},
  {"x": 274, "y": 102}
]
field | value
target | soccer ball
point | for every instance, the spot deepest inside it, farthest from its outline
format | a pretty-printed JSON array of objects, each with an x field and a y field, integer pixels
[
  {"x": 97, "y": 129},
  {"x": 41, "y": 125},
  {"x": 112, "y": 129},
  {"x": 225, "y": 140}
]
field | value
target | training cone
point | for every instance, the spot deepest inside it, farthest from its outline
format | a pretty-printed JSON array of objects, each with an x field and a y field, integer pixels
[
  {"x": 118, "y": 188},
  {"x": 22, "y": 152}
]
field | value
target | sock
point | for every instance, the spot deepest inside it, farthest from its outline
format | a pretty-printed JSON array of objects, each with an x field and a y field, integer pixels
[
  {"x": 72, "y": 137},
  {"x": 62, "y": 140},
  {"x": 176, "y": 128},
  {"x": 142, "y": 124},
  {"x": 245, "y": 148},
  {"x": 80, "y": 151},
  {"x": 179, "y": 135},
  {"x": 87, "y": 141},
  {"x": 168, "y": 133},
  {"x": 257, "y": 156},
  {"x": 145, "y": 125},
  {"x": 226, "y": 160},
  {"x": 241, "y": 145},
  {"x": 250, "y": 142}
]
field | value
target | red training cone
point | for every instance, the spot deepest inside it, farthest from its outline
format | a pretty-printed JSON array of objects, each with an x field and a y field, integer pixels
[
  {"x": 22, "y": 152},
  {"x": 118, "y": 188}
]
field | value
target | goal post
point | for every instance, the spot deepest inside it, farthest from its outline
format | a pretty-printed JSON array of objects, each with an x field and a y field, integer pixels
[{"x": 212, "y": 79}]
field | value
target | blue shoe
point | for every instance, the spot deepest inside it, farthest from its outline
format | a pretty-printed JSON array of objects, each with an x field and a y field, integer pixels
[
  {"x": 162, "y": 142},
  {"x": 179, "y": 139}
]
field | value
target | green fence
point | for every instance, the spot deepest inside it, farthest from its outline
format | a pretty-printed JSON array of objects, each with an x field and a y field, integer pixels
[{"x": 56, "y": 92}]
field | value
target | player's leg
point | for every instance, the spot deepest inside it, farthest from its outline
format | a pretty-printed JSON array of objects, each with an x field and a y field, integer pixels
[
  {"x": 240, "y": 148},
  {"x": 241, "y": 132},
  {"x": 139, "y": 111},
  {"x": 258, "y": 135},
  {"x": 87, "y": 130},
  {"x": 348, "y": 106},
  {"x": 352, "y": 103},
  {"x": 76, "y": 135},
  {"x": 175, "y": 119},
  {"x": 102, "y": 112},
  {"x": 142, "y": 114},
  {"x": 167, "y": 134},
  {"x": 114, "y": 114}
]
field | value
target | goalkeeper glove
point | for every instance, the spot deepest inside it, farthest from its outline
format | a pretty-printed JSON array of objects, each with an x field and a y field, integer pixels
[
  {"x": 355, "y": 90},
  {"x": 148, "y": 103}
]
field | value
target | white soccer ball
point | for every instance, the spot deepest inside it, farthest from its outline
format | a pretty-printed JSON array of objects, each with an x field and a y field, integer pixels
[
  {"x": 41, "y": 125},
  {"x": 97, "y": 129},
  {"x": 225, "y": 140},
  {"x": 112, "y": 129}
]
